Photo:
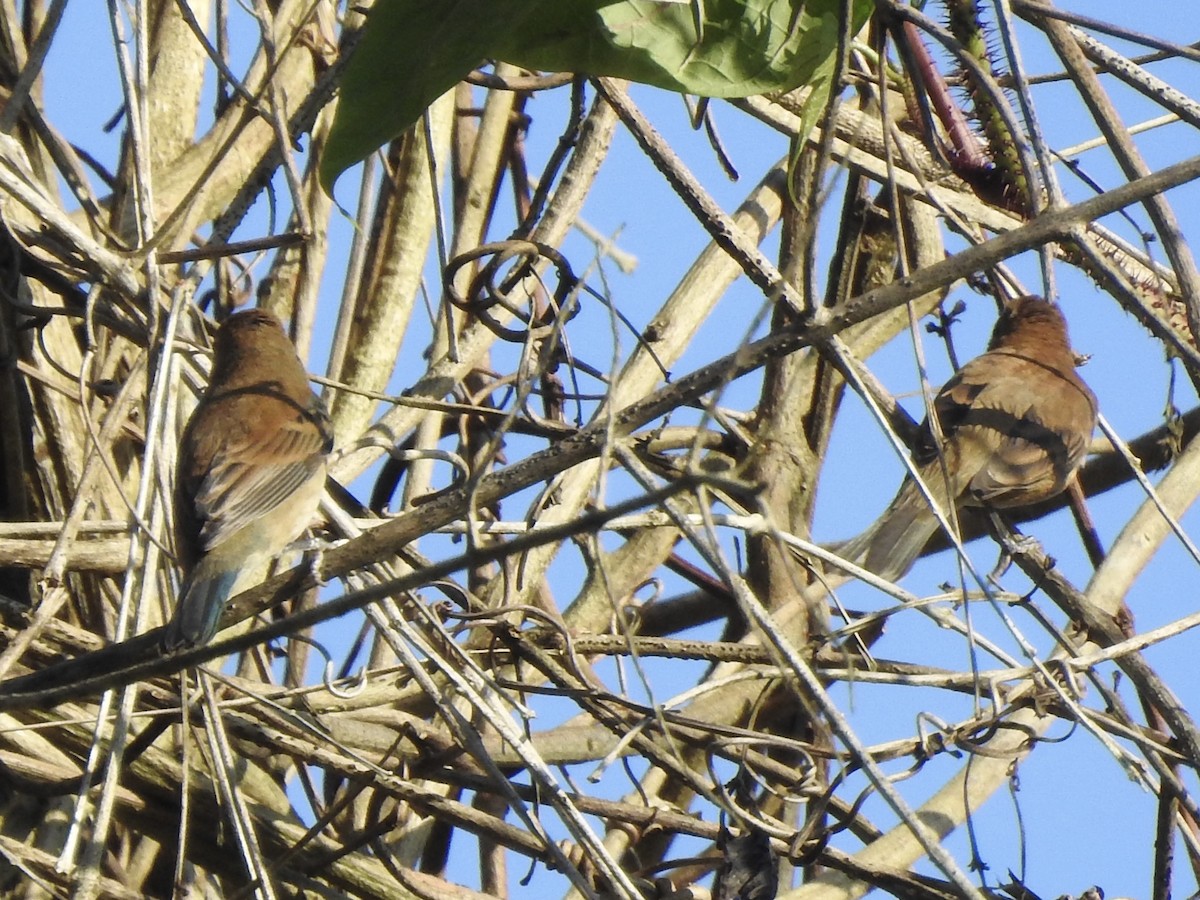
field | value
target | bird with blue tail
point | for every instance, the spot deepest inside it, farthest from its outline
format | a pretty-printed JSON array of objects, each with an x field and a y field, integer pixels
[{"x": 250, "y": 470}]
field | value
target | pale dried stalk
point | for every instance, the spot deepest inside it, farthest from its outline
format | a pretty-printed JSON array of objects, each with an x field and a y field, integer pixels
[{"x": 403, "y": 231}]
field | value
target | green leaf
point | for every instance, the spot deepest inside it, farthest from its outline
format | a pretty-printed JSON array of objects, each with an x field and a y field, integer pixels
[{"x": 412, "y": 51}]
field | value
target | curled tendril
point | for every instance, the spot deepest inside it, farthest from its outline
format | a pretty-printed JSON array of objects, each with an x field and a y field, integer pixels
[
  {"x": 510, "y": 263},
  {"x": 935, "y": 736},
  {"x": 804, "y": 766},
  {"x": 736, "y": 803},
  {"x": 358, "y": 683},
  {"x": 330, "y": 677},
  {"x": 737, "y": 795}
]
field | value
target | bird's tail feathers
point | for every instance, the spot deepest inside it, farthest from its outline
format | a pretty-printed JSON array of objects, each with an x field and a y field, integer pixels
[
  {"x": 891, "y": 545},
  {"x": 199, "y": 610}
]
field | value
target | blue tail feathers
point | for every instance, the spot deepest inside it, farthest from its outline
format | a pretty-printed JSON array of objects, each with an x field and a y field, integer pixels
[{"x": 200, "y": 606}]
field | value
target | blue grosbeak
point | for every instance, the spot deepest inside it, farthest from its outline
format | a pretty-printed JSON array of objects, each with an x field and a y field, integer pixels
[
  {"x": 250, "y": 472},
  {"x": 1015, "y": 423}
]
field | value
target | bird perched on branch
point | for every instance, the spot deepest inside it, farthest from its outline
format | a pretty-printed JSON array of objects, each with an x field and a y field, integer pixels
[
  {"x": 250, "y": 471},
  {"x": 1015, "y": 423}
]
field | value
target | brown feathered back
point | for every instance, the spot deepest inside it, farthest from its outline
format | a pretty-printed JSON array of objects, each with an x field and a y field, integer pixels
[
  {"x": 1015, "y": 424},
  {"x": 250, "y": 471}
]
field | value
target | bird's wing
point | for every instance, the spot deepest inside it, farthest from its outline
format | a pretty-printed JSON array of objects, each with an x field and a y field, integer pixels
[
  {"x": 1019, "y": 427},
  {"x": 260, "y": 468}
]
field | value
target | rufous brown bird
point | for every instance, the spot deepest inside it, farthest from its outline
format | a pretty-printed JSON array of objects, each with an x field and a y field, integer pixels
[
  {"x": 1015, "y": 422},
  {"x": 250, "y": 471}
]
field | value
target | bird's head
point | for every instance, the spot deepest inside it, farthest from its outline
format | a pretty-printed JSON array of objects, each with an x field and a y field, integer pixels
[
  {"x": 1030, "y": 321},
  {"x": 251, "y": 347}
]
